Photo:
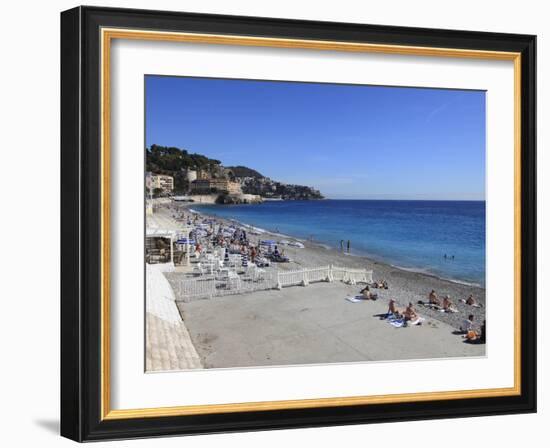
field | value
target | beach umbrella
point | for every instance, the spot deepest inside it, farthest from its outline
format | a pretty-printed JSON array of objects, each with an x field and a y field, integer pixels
[
  {"x": 245, "y": 260},
  {"x": 226, "y": 258},
  {"x": 185, "y": 241}
]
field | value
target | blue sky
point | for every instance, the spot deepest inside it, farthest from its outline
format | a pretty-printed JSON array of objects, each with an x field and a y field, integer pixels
[{"x": 349, "y": 141}]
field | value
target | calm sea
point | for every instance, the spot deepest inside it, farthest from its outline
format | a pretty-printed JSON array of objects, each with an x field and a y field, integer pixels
[{"x": 413, "y": 235}]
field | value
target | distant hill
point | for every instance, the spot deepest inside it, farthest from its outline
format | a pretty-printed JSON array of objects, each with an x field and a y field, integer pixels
[
  {"x": 243, "y": 171},
  {"x": 176, "y": 162},
  {"x": 169, "y": 158}
]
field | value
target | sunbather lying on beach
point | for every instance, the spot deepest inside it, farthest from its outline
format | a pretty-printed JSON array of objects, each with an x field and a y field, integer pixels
[
  {"x": 471, "y": 301},
  {"x": 367, "y": 294}
]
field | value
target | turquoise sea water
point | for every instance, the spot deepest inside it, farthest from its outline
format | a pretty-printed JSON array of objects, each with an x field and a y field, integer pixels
[{"x": 409, "y": 234}]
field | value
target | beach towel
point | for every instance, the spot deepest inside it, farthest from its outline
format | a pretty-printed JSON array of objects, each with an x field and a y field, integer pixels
[
  {"x": 432, "y": 306},
  {"x": 448, "y": 310},
  {"x": 418, "y": 321},
  {"x": 475, "y": 305},
  {"x": 398, "y": 323},
  {"x": 355, "y": 299}
]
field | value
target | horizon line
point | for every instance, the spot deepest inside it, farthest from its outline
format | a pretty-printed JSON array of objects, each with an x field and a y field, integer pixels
[{"x": 401, "y": 199}]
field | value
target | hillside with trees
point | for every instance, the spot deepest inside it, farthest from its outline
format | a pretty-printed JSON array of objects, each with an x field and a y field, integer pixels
[
  {"x": 243, "y": 171},
  {"x": 175, "y": 162}
]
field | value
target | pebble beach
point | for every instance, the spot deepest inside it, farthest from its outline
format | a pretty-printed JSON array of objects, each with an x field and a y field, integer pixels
[
  {"x": 404, "y": 286},
  {"x": 317, "y": 324}
]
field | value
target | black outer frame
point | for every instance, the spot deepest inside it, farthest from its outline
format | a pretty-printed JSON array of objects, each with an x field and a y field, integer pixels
[{"x": 81, "y": 207}]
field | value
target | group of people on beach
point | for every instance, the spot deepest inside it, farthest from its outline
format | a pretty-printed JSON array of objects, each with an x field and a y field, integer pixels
[
  {"x": 209, "y": 233},
  {"x": 447, "y": 305},
  {"x": 436, "y": 303},
  {"x": 409, "y": 314},
  {"x": 467, "y": 327},
  {"x": 348, "y": 245},
  {"x": 367, "y": 294}
]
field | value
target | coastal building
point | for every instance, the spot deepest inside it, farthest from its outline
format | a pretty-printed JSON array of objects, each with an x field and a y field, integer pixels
[
  {"x": 203, "y": 175},
  {"x": 200, "y": 186},
  {"x": 205, "y": 186},
  {"x": 190, "y": 175},
  {"x": 234, "y": 188},
  {"x": 165, "y": 183}
]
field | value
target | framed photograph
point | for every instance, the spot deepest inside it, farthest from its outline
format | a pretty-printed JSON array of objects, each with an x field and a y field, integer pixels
[{"x": 273, "y": 223}]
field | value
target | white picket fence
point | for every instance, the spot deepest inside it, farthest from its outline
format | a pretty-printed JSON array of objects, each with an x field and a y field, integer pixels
[
  {"x": 199, "y": 288},
  {"x": 351, "y": 275},
  {"x": 303, "y": 277}
]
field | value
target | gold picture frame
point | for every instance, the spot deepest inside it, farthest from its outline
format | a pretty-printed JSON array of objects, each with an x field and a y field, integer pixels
[{"x": 108, "y": 29}]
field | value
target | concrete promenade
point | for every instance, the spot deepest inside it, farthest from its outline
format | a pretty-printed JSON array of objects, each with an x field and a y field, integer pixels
[{"x": 313, "y": 324}]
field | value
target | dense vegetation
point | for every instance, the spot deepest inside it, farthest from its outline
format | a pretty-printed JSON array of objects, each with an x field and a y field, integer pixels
[
  {"x": 164, "y": 158},
  {"x": 243, "y": 171},
  {"x": 173, "y": 161}
]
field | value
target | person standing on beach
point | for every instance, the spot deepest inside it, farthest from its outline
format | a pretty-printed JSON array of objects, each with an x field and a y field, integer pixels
[
  {"x": 349, "y": 244},
  {"x": 341, "y": 245}
]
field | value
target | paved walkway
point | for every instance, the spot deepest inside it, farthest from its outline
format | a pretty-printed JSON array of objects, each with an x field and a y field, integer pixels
[
  {"x": 313, "y": 324},
  {"x": 168, "y": 345},
  {"x": 162, "y": 219}
]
